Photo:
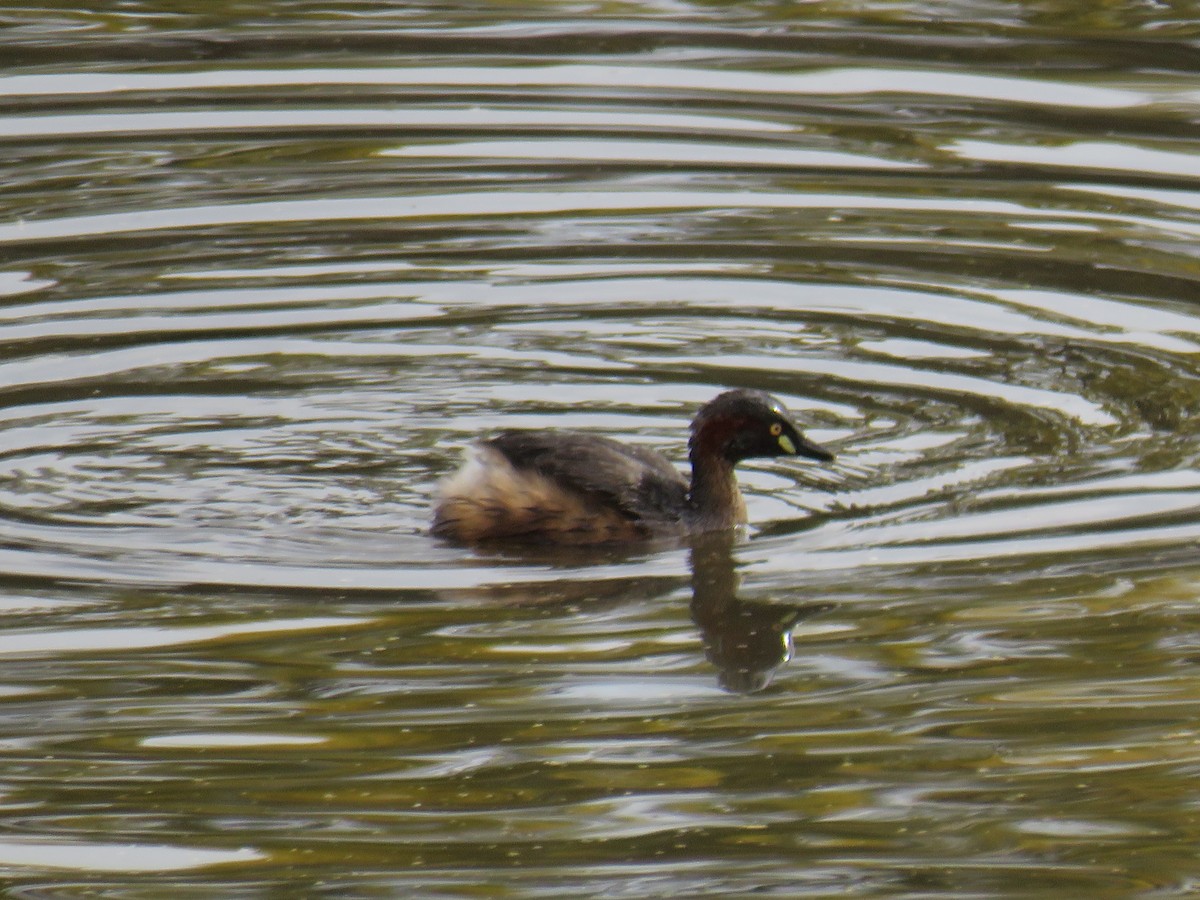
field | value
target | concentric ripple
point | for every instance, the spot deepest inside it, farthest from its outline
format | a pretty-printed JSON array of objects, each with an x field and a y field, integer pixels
[{"x": 971, "y": 422}]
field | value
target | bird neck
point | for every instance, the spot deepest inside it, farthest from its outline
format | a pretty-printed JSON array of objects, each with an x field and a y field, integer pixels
[{"x": 714, "y": 499}]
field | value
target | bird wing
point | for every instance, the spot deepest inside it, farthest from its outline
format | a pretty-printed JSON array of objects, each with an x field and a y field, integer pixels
[{"x": 640, "y": 483}]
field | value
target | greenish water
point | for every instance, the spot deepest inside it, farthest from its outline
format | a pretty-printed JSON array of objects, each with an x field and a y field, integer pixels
[{"x": 267, "y": 269}]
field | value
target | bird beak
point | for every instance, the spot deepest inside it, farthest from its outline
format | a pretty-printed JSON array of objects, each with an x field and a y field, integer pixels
[{"x": 798, "y": 445}]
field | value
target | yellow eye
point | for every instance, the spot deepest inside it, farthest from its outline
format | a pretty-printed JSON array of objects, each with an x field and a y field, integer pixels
[{"x": 776, "y": 429}]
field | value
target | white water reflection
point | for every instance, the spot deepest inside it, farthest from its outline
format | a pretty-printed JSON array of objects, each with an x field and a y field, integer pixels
[
  {"x": 900, "y": 548},
  {"x": 230, "y": 740},
  {"x": 597, "y": 150},
  {"x": 944, "y": 383},
  {"x": 13, "y": 283},
  {"x": 88, "y": 640},
  {"x": 1084, "y": 155},
  {"x": 475, "y": 117},
  {"x": 77, "y": 856},
  {"x": 839, "y": 81},
  {"x": 533, "y": 203},
  {"x": 1183, "y": 198}
]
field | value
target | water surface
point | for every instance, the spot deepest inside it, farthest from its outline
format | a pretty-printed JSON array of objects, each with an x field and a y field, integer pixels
[{"x": 266, "y": 272}]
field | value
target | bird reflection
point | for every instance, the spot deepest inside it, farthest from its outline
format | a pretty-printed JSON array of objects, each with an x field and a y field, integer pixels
[{"x": 746, "y": 640}]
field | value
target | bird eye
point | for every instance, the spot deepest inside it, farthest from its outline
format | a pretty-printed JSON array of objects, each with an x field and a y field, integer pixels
[{"x": 776, "y": 429}]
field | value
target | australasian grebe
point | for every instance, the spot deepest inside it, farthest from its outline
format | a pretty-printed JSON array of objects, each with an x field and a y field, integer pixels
[{"x": 570, "y": 488}]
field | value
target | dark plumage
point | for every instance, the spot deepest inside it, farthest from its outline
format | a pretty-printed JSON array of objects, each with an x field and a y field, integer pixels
[{"x": 567, "y": 487}]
